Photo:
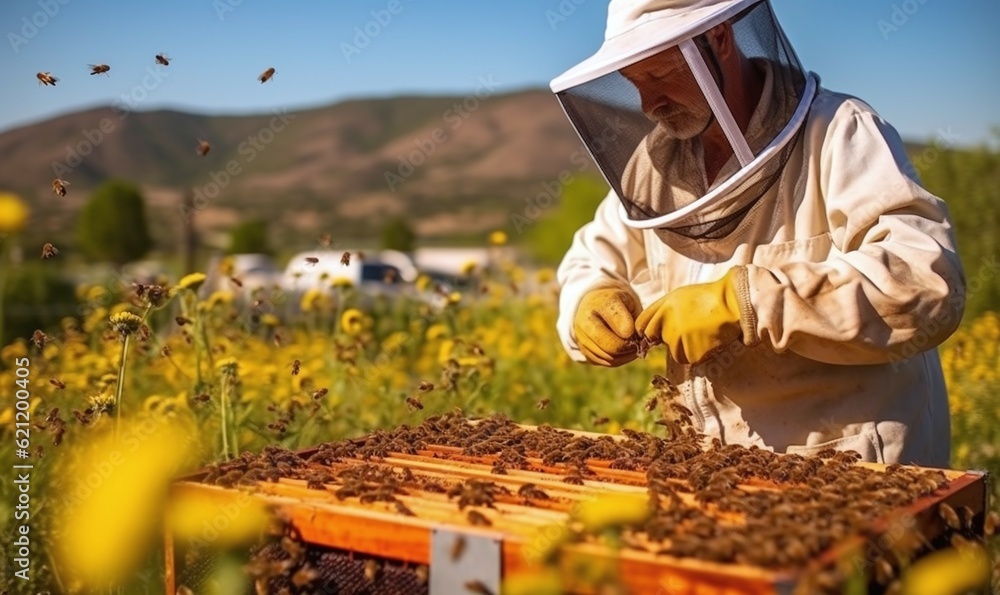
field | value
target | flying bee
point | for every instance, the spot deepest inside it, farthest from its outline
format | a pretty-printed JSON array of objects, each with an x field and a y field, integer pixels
[
  {"x": 235, "y": 281},
  {"x": 476, "y": 350},
  {"x": 59, "y": 187},
  {"x": 542, "y": 404},
  {"x": 600, "y": 421},
  {"x": 45, "y": 78},
  {"x": 266, "y": 75},
  {"x": 319, "y": 394},
  {"x": 202, "y": 398},
  {"x": 345, "y": 259},
  {"x": 326, "y": 240},
  {"x": 311, "y": 260},
  {"x": 425, "y": 386},
  {"x": 163, "y": 59},
  {"x": 414, "y": 403},
  {"x": 203, "y": 147},
  {"x": 40, "y": 339},
  {"x": 48, "y": 250},
  {"x": 57, "y": 383},
  {"x": 296, "y": 367},
  {"x": 457, "y": 548},
  {"x": 99, "y": 69},
  {"x": 277, "y": 339},
  {"x": 181, "y": 321}
]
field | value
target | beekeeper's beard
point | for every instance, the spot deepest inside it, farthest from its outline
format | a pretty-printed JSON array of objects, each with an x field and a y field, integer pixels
[{"x": 682, "y": 122}]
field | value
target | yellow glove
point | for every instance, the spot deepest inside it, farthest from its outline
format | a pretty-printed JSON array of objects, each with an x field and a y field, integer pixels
[
  {"x": 695, "y": 320},
  {"x": 604, "y": 326}
]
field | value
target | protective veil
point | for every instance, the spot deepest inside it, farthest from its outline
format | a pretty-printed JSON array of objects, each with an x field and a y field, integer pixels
[{"x": 673, "y": 84}]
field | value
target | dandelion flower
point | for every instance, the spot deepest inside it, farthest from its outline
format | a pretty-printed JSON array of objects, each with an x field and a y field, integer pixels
[
  {"x": 454, "y": 297},
  {"x": 270, "y": 320},
  {"x": 193, "y": 282},
  {"x": 101, "y": 403},
  {"x": 352, "y": 321},
  {"x": 125, "y": 323},
  {"x": 436, "y": 331},
  {"x": 615, "y": 510},
  {"x": 468, "y": 268},
  {"x": 342, "y": 282},
  {"x": 498, "y": 238},
  {"x": 422, "y": 283},
  {"x": 545, "y": 275}
]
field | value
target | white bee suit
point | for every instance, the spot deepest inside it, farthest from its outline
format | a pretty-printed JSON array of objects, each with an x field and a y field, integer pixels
[{"x": 853, "y": 277}]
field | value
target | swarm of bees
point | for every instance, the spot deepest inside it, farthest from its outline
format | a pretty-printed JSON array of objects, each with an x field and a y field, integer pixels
[{"x": 99, "y": 69}]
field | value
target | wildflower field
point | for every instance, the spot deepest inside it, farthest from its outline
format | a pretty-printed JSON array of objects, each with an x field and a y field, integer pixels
[{"x": 153, "y": 380}]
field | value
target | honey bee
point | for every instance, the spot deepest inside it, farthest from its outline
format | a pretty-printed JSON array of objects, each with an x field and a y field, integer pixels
[
  {"x": 163, "y": 59},
  {"x": 423, "y": 573},
  {"x": 390, "y": 276},
  {"x": 414, "y": 403},
  {"x": 884, "y": 572},
  {"x": 304, "y": 575},
  {"x": 266, "y": 75},
  {"x": 181, "y": 321},
  {"x": 45, "y": 78},
  {"x": 202, "y": 398},
  {"x": 319, "y": 394},
  {"x": 326, "y": 240},
  {"x": 990, "y": 524},
  {"x": 57, "y": 383},
  {"x": 371, "y": 570},
  {"x": 277, "y": 339},
  {"x": 48, "y": 250},
  {"x": 165, "y": 351},
  {"x": 345, "y": 259},
  {"x": 99, "y": 69},
  {"x": 478, "y": 587},
  {"x": 457, "y": 548},
  {"x": 203, "y": 147},
  {"x": 40, "y": 339},
  {"x": 950, "y": 516},
  {"x": 477, "y": 518},
  {"x": 296, "y": 367},
  {"x": 235, "y": 281},
  {"x": 59, "y": 187},
  {"x": 425, "y": 386},
  {"x": 542, "y": 404},
  {"x": 403, "y": 509},
  {"x": 600, "y": 421}
]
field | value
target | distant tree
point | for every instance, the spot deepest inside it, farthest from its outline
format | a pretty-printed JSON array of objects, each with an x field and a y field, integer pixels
[
  {"x": 250, "y": 237},
  {"x": 398, "y": 234},
  {"x": 113, "y": 226},
  {"x": 549, "y": 232}
]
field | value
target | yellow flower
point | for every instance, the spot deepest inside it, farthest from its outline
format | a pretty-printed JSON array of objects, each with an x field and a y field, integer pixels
[
  {"x": 125, "y": 323},
  {"x": 468, "y": 268},
  {"x": 545, "y": 275},
  {"x": 16, "y": 349},
  {"x": 498, "y": 238},
  {"x": 949, "y": 571},
  {"x": 454, "y": 297},
  {"x": 436, "y": 331},
  {"x": 227, "y": 266},
  {"x": 613, "y": 510},
  {"x": 192, "y": 282},
  {"x": 312, "y": 300},
  {"x": 422, "y": 283},
  {"x": 343, "y": 282},
  {"x": 101, "y": 403},
  {"x": 351, "y": 322},
  {"x": 13, "y": 213},
  {"x": 220, "y": 298},
  {"x": 270, "y": 320}
]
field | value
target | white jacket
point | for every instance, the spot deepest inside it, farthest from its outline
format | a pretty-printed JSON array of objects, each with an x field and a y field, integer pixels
[{"x": 854, "y": 279}]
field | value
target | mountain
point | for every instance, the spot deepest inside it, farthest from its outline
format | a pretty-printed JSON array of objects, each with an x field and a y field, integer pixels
[{"x": 456, "y": 165}]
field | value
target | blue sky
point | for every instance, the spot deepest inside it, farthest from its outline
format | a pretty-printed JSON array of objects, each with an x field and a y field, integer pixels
[{"x": 937, "y": 69}]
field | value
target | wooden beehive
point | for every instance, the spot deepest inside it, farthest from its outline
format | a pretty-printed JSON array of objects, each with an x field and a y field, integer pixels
[{"x": 518, "y": 524}]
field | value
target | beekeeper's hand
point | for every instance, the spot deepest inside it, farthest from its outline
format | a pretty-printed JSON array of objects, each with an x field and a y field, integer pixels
[
  {"x": 694, "y": 321},
  {"x": 604, "y": 326}
]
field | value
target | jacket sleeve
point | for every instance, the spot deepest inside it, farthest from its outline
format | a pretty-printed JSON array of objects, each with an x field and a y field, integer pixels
[
  {"x": 604, "y": 253},
  {"x": 894, "y": 286}
]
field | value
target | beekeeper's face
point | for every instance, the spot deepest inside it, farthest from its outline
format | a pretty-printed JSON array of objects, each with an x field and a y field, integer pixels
[{"x": 670, "y": 94}]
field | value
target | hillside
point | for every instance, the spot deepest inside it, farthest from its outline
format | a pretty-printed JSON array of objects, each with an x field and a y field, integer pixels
[{"x": 342, "y": 168}]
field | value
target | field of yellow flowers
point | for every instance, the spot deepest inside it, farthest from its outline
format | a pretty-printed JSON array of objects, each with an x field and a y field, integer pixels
[{"x": 155, "y": 379}]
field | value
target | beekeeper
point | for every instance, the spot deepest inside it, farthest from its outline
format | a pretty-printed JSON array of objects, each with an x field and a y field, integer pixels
[{"x": 771, "y": 233}]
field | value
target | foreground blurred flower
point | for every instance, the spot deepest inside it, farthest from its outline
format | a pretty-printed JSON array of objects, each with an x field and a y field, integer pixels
[
  {"x": 611, "y": 511},
  {"x": 949, "y": 571},
  {"x": 113, "y": 507},
  {"x": 498, "y": 238},
  {"x": 198, "y": 518},
  {"x": 352, "y": 321},
  {"x": 229, "y": 368},
  {"x": 13, "y": 213}
]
